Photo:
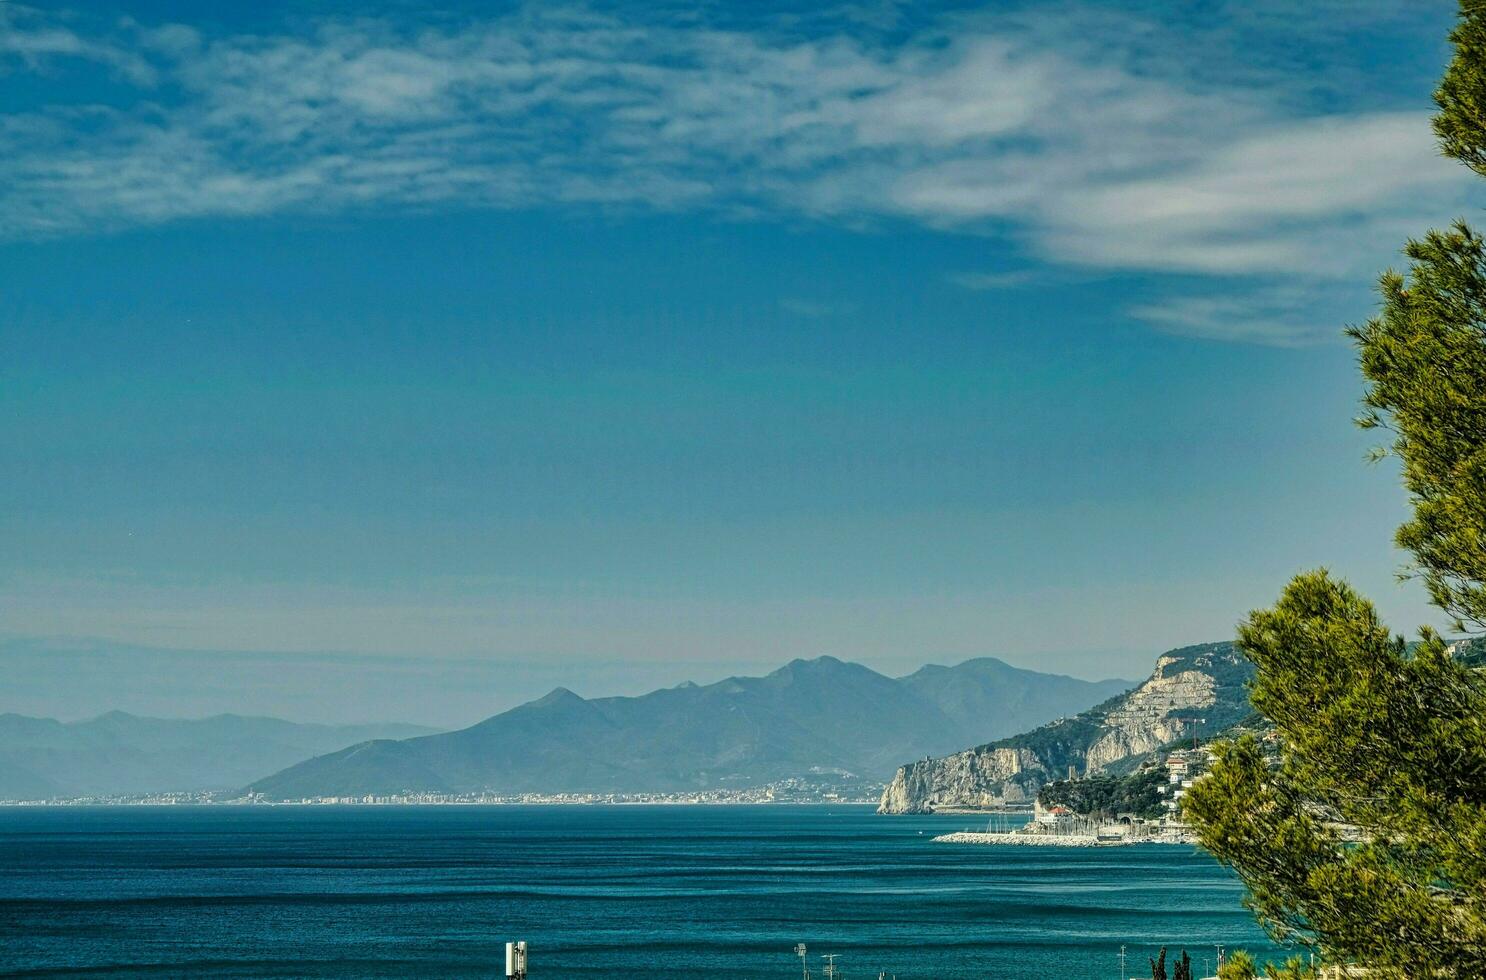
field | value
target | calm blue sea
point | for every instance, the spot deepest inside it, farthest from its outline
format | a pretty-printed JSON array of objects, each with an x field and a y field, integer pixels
[{"x": 597, "y": 892}]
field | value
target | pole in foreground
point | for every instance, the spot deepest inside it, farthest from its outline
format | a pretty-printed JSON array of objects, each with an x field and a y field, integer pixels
[{"x": 516, "y": 960}]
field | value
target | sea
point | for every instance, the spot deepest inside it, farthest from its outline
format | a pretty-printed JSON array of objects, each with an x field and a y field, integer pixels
[{"x": 595, "y": 891}]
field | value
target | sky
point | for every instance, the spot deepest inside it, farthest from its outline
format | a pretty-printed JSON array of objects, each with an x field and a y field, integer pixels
[{"x": 393, "y": 361}]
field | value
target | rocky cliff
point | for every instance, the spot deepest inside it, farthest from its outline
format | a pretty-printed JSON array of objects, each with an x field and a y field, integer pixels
[{"x": 1207, "y": 683}]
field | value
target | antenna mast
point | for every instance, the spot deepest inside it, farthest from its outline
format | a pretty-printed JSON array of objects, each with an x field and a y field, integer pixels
[{"x": 1194, "y": 722}]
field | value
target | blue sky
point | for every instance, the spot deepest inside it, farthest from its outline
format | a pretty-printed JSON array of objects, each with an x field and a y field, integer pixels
[{"x": 612, "y": 345}]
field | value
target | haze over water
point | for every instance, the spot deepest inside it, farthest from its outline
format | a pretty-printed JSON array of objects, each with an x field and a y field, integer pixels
[{"x": 596, "y": 891}]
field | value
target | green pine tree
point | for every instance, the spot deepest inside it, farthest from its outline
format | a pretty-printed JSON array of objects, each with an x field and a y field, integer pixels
[
  {"x": 1240, "y": 966},
  {"x": 1361, "y": 831},
  {"x": 1158, "y": 966}
]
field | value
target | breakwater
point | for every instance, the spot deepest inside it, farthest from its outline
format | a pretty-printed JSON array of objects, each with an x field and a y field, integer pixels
[{"x": 1058, "y": 840}]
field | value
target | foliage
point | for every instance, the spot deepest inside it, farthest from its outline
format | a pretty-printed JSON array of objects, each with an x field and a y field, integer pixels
[
  {"x": 1158, "y": 966},
  {"x": 1182, "y": 970},
  {"x": 1060, "y": 742},
  {"x": 1390, "y": 742},
  {"x": 1424, "y": 358},
  {"x": 1461, "y": 97},
  {"x": 1241, "y": 966},
  {"x": 1363, "y": 837},
  {"x": 1138, "y": 793}
]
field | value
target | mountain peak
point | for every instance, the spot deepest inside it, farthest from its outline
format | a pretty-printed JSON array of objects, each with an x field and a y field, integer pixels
[
  {"x": 823, "y": 662},
  {"x": 969, "y": 666},
  {"x": 993, "y": 662},
  {"x": 116, "y": 715},
  {"x": 555, "y": 697}
]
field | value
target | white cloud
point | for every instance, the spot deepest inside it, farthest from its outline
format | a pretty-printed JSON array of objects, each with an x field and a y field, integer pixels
[
  {"x": 1280, "y": 199},
  {"x": 980, "y": 125}
]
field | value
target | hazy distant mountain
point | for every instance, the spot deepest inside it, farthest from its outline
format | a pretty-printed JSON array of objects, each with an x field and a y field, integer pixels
[
  {"x": 123, "y": 753},
  {"x": 988, "y": 689},
  {"x": 813, "y": 714}
]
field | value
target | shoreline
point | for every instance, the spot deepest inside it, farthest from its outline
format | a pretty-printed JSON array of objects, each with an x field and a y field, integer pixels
[
  {"x": 204, "y": 804},
  {"x": 1057, "y": 840}
]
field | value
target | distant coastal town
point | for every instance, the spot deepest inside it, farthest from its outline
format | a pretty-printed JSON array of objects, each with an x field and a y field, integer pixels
[{"x": 786, "y": 791}]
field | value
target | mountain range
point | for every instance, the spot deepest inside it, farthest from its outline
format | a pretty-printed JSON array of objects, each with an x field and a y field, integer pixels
[
  {"x": 124, "y": 754},
  {"x": 809, "y": 716},
  {"x": 1203, "y": 687}
]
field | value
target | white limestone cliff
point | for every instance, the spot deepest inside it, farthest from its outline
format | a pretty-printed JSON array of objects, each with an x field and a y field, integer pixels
[{"x": 1184, "y": 685}]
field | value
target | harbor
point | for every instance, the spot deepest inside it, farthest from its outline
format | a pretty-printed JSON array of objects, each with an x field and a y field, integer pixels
[
  {"x": 1056, "y": 840},
  {"x": 1058, "y": 826}
]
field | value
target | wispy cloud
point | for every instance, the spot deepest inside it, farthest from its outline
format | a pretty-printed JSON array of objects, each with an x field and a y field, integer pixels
[
  {"x": 979, "y": 125},
  {"x": 33, "y": 47},
  {"x": 1277, "y": 316},
  {"x": 989, "y": 281}
]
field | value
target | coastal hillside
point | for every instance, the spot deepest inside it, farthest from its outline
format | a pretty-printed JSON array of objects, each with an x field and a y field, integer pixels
[
  {"x": 1471, "y": 652},
  {"x": 808, "y": 717},
  {"x": 123, "y": 754},
  {"x": 1207, "y": 682}
]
